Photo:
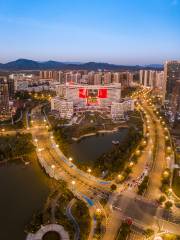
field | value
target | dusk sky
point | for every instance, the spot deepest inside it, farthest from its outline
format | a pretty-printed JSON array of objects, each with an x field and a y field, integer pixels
[{"x": 114, "y": 31}]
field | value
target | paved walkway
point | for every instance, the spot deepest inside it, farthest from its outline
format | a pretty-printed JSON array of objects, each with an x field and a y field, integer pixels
[
  {"x": 72, "y": 219},
  {"x": 47, "y": 228}
]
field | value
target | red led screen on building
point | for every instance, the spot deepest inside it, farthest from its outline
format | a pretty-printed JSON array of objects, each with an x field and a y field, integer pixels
[
  {"x": 103, "y": 93},
  {"x": 82, "y": 93}
]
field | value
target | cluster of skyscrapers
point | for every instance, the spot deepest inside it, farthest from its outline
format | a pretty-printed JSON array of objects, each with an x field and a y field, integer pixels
[{"x": 101, "y": 89}]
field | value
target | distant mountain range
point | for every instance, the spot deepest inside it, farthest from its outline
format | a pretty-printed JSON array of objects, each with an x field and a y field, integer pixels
[{"x": 26, "y": 64}]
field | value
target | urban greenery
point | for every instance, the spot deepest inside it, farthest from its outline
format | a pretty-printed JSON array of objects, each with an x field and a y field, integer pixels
[
  {"x": 16, "y": 146},
  {"x": 165, "y": 181},
  {"x": 168, "y": 204},
  {"x": 61, "y": 197},
  {"x": 81, "y": 213},
  {"x": 124, "y": 231},
  {"x": 99, "y": 229},
  {"x": 114, "y": 160},
  {"x": 148, "y": 232},
  {"x": 176, "y": 177},
  {"x": 143, "y": 186}
]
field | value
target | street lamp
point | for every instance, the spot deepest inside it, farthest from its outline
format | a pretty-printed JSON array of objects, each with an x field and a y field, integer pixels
[
  {"x": 165, "y": 173},
  {"x": 131, "y": 164},
  {"x": 89, "y": 170},
  {"x": 98, "y": 210},
  {"x": 166, "y": 137},
  {"x": 120, "y": 176},
  {"x": 70, "y": 159},
  {"x": 137, "y": 152},
  {"x": 168, "y": 149},
  {"x": 53, "y": 168},
  {"x": 73, "y": 182}
]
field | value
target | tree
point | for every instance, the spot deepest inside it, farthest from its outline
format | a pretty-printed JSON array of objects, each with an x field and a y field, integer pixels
[
  {"x": 168, "y": 204},
  {"x": 113, "y": 187},
  {"x": 149, "y": 232},
  {"x": 162, "y": 199}
]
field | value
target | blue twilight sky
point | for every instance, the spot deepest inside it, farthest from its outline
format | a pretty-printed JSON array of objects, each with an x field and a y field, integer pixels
[{"x": 115, "y": 31}]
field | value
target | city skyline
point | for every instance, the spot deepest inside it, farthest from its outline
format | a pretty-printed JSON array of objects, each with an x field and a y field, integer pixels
[{"x": 131, "y": 32}]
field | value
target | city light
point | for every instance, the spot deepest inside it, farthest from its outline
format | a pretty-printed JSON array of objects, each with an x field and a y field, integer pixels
[
  {"x": 53, "y": 166},
  {"x": 73, "y": 182},
  {"x": 166, "y": 137},
  {"x": 89, "y": 170},
  {"x": 169, "y": 149},
  {"x": 165, "y": 173},
  {"x": 131, "y": 164},
  {"x": 98, "y": 211},
  {"x": 120, "y": 176},
  {"x": 137, "y": 152}
]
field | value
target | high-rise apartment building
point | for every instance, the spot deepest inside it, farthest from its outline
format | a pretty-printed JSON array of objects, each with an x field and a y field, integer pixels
[
  {"x": 151, "y": 78},
  {"x": 172, "y": 74},
  {"x": 97, "y": 78},
  {"x": 4, "y": 95},
  {"x": 107, "y": 78},
  {"x": 175, "y": 99}
]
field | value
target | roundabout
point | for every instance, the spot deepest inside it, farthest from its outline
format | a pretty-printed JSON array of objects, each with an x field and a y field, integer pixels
[{"x": 49, "y": 232}]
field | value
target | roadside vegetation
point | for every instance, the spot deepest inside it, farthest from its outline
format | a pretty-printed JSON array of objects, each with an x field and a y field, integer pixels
[
  {"x": 114, "y": 161},
  {"x": 176, "y": 177},
  {"x": 149, "y": 232},
  {"x": 169, "y": 236},
  {"x": 99, "y": 227},
  {"x": 17, "y": 146},
  {"x": 124, "y": 231},
  {"x": 143, "y": 186},
  {"x": 81, "y": 213}
]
